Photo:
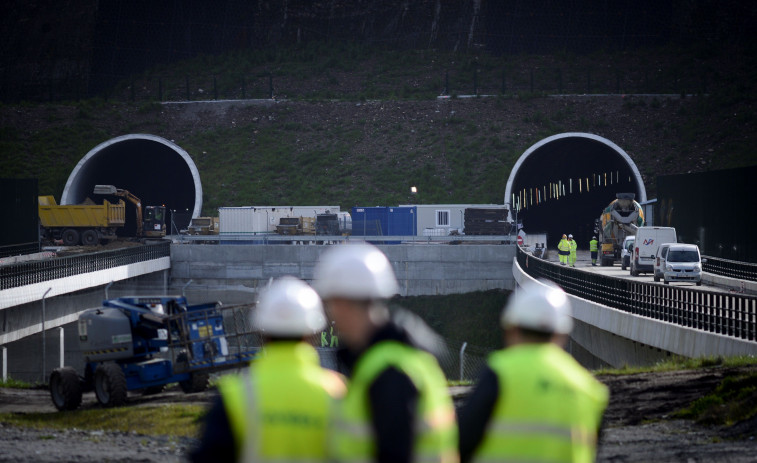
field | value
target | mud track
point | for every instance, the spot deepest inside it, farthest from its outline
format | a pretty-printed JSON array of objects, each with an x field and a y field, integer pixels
[{"x": 638, "y": 425}]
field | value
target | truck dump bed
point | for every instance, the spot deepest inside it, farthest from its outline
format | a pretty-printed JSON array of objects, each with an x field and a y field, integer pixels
[{"x": 51, "y": 215}]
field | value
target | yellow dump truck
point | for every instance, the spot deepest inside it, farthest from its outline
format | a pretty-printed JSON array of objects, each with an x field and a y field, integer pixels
[{"x": 87, "y": 224}]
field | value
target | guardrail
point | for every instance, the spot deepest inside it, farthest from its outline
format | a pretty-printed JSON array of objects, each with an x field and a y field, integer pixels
[
  {"x": 287, "y": 239},
  {"x": 27, "y": 273},
  {"x": 730, "y": 268},
  {"x": 722, "y": 313}
]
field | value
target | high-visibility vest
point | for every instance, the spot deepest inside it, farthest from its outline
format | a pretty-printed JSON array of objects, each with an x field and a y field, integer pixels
[
  {"x": 550, "y": 408},
  {"x": 593, "y": 245},
  {"x": 436, "y": 429},
  {"x": 564, "y": 246},
  {"x": 573, "y": 246},
  {"x": 282, "y": 409}
]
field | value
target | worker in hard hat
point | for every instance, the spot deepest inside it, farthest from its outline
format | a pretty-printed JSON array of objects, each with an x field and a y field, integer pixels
[
  {"x": 533, "y": 401},
  {"x": 593, "y": 249},
  {"x": 397, "y": 408},
  {"x": 280, "y": 409},
  {"x": 563, "y": 250},
  {"x": 573, "y": 251}
]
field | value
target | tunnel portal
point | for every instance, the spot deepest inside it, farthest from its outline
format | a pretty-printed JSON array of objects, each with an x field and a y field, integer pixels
[
  {"x": 562, "y": 183},
  {"x": 152, "y": 168}
]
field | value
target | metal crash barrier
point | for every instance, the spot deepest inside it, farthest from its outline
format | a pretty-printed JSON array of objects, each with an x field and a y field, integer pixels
[
  {"x": 27, "y": 273},
  {"x": 722, "y": 313},
  {"x": 730, "y": 268}
]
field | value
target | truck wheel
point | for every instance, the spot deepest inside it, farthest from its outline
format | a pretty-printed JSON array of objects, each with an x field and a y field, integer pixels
[
  {"x": 656, "y": 279},
  {"x": 65, "y": 389},
  {"x": 70, "y": 237},
  {"x": 110, "y": 385},
  {"x": 197, "y": 382},
  {"x": 90, "y": 238}
]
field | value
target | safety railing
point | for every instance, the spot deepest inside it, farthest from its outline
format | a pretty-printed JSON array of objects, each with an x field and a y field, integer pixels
[
  {"x": 27, "y": 273},
  {"x": 730, "y": 268},
  {"x": 728, "y": 314}
]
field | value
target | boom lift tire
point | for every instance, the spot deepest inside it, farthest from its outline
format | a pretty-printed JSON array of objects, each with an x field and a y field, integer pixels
[
  {"x": 65, "y": 389},
  {"x": 70, "y": 237},
  {"x": 90, "y": 238},
  {"x": 110, "y": 385},
  {"x": 197, "y": 382}
]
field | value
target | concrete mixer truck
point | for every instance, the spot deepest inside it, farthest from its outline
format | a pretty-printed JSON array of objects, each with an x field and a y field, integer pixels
[{"x": 619, "y": 219}]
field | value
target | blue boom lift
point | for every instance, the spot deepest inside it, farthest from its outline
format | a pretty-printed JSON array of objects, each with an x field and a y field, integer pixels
[{"x": 146, "y": 342}]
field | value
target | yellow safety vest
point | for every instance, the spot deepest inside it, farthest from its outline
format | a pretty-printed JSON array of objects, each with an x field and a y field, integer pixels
[
  {"x": 436, "y": 429},
  {"x": 550, "y": 408},
  {"x": 282, "y": 409},
  {"x": 564, "y": 245},
  {"x": 593, "y": 245},
  {"x": 573, "y": 245}
]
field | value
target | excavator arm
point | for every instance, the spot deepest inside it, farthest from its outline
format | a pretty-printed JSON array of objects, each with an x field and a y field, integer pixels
[{"x": 112, "y": 190}]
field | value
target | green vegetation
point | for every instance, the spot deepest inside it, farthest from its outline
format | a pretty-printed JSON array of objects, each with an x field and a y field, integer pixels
[
  {"x": 15, "y": 384},
  {"x": 681, "y": 363},
  {"x": 168, "y": 420},
  {"x": 471, "y": 317},
  {"x": 734, "y": 400}
]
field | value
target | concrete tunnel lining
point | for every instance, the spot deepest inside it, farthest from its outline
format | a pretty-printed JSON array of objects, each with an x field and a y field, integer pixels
[
  {"x": 559, "y": 157},
  {"x": 155, "y": 169}
]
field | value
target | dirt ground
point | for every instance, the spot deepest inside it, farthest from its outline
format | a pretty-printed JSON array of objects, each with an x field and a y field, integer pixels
[{"x": 638, "y": 425}]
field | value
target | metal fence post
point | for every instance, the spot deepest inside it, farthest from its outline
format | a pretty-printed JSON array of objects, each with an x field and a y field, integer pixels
[
  {"x": 62, "y": 346},
  {"x": 5, "y": 364},
  {"x": 462, "y": 359},
  {"x": 44, "y": 345}
]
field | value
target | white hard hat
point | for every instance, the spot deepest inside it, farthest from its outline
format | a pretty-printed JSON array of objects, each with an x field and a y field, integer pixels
[
  {"x": 540, "y": 306},
  {"x": 570, "y": 236},
  {"x": 289, "y": 307},
  {"x": 355, "y": 271}
]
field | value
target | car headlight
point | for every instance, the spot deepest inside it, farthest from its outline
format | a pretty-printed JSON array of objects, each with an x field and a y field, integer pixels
[
  {"x": 669, "y": 267},
  {"x": 697, "y": 268}
]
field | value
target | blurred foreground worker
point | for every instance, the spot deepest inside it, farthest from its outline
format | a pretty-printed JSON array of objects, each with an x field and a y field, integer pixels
[
  {"x": 563, "y": 250},
  {"x": 281, "y": 409},
  {"x": 573, "y": 250},
  {"x": 397, "y": 408},
  {"x": 533, "y": 402},
  {"x": 593, "y": 248}
]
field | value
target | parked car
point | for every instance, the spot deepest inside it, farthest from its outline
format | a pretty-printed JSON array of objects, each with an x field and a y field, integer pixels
[
  {"x": 659, "y": 262},
  {"x": 625, "y": 253},
  {"x": 648, "y": 240},
  {"x": 683, "y": 263}
]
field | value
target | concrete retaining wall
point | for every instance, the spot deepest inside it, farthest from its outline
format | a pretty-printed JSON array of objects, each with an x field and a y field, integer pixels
[{"x": 422, "y": 269}]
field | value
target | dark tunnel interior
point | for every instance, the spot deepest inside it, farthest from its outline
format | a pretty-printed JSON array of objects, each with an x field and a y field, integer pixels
[
  {"x": 567, "y": 159},
  {"x": 150, "y": 170}
]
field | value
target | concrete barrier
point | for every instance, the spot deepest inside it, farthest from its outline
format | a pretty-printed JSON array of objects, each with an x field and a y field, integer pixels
[{"x": 619, "y": 338}]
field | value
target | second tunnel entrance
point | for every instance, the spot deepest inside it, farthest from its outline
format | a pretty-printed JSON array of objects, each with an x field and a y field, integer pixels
[{"x": 562, "y": 183}]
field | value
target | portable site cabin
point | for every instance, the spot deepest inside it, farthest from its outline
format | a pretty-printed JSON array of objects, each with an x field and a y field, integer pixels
[{"x": 445, "y": 219}]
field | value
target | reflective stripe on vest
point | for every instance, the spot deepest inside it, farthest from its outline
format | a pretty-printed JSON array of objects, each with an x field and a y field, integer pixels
[
  {"x": 550, "y": 408},
  {"x": 281, "y": 410},
  {"x": 436, "y": 431},
  {"x": 593, "y": 245}
]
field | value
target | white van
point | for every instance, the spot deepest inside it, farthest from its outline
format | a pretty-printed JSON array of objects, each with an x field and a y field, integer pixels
[
  {"x": 659, "y": 263},
  {"x": 647, "y": 240}
]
